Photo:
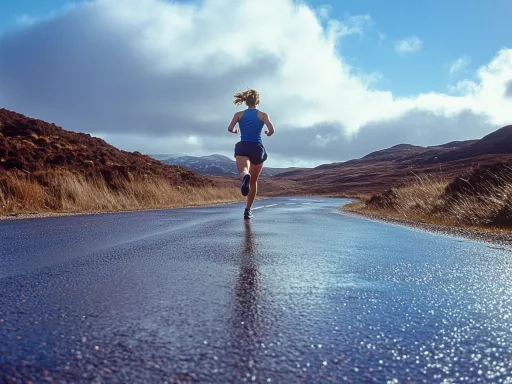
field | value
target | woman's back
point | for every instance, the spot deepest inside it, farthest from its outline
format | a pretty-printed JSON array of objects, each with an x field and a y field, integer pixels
[
  {"x": 250, "y": 153},
  {"x": 251, "y": 126}
]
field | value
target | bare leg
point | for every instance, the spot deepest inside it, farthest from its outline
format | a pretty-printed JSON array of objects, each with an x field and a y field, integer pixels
[
  {"x": 242, "y": 164},
  {"x": 255, "y": 171}
]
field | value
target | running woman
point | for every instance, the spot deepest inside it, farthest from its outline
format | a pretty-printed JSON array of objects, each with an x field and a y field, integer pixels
[{"x": 249, "y": 151}]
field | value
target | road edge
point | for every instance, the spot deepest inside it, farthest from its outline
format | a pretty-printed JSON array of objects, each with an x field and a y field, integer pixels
[
  {"x": 44, "y": 215},
  {"x": 488, "y": 237}
]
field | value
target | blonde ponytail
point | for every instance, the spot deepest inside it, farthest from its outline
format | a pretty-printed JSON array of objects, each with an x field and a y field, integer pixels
[{"x": 251, "y": 98}]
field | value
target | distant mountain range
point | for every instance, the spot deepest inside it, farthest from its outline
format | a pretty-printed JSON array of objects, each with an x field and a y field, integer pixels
[
  {"x": 393, "y": 166},
  {"x": 213, "y": 165},
  {"x": 166, "y": 156}
]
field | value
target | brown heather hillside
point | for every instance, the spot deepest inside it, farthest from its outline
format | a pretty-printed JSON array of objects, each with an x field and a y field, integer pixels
[
  {"x": 46, "y": 168},
  {"x": 481, "y": 198},
  {"x": 393, "y": 167},
  {"x": 34, "y": 146}
]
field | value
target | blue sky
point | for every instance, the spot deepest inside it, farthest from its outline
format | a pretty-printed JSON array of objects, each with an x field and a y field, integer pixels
[
  {"x": 449, "y": 30},
  {"x": 10, "y": 10},
  {"x": 158, "y": 77}
]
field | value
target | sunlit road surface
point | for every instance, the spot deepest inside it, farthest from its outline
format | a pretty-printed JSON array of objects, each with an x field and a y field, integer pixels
[{"x": 300, "y": 294}]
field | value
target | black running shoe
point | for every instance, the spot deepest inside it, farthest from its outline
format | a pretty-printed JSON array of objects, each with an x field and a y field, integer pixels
[
  {"x": 247, "y": 214},
  {"x": 244, "y": 187}
]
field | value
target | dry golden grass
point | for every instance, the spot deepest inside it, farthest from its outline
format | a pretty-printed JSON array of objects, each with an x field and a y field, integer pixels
[
  {"x": 490, "y": 207},
  {"x": 70, "y": 192},
  {"x": 427, "y": 201},
  {"x": 420, "y": 197}
]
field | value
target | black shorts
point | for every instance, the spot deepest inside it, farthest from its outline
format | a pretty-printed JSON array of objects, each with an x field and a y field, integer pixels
[{"x": 254, "y": 151}]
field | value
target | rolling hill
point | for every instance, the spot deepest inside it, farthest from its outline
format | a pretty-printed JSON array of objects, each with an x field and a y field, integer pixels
[
  {"x": 46, "y": 169},
  {"x": 34, "y": 146},
  {"x": 393, "y": 166}
]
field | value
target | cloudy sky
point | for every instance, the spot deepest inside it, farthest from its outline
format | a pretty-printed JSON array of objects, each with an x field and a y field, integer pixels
[{"x": 339, "y": 79}]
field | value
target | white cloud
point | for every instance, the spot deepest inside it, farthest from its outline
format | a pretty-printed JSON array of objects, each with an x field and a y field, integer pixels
[
  {"x": 324, "y": 11},
  {"x": 464, "y": 87},
  {"x": 26, "y": 19},
  {"x": 350, "y": 26},
  {"x": 157, "y": 76},
  {"x": 459, "y": 64},
  {"x": 408, "y": 45}
]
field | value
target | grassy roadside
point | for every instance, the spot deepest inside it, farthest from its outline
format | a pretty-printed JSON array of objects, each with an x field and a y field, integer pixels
[
  {"x": 481, "y": 200},
  {"x": 67, "y": 192}
]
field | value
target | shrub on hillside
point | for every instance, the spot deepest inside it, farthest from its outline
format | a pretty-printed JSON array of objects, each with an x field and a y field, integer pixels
[
  {"x": 481, "y": 198},
  {"x": 481, "y": 181}
]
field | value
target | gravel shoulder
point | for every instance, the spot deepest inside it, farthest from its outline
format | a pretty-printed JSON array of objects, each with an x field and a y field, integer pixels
[{"x": 495, "y": 238}]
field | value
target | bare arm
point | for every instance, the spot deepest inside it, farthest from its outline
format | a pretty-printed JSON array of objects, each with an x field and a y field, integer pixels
[
  {"x": 270, "y": 131},
  {"x": 231, "y": 127}
]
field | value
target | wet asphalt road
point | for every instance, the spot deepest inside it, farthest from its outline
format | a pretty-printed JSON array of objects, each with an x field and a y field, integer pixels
[{"x": 301, "y": 294}]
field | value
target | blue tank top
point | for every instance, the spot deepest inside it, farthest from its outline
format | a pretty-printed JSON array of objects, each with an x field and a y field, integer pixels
[{"x": 251, "y": 126}]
